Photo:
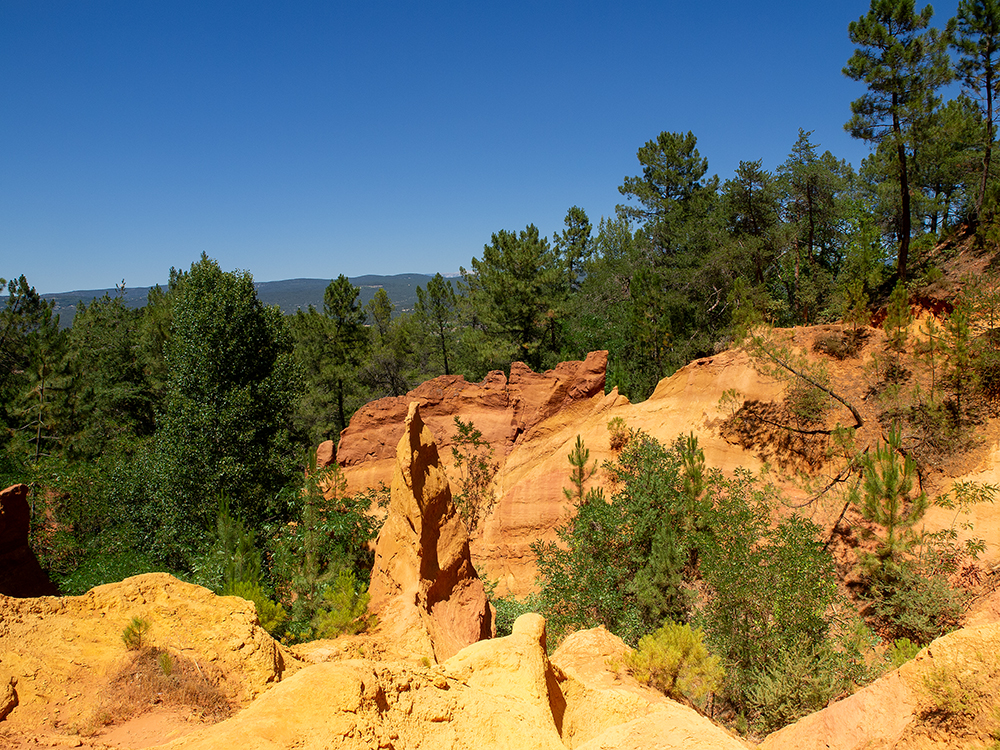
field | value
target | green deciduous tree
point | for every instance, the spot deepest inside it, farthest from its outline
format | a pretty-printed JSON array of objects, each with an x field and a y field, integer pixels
[{"x": 228, "y": 402}]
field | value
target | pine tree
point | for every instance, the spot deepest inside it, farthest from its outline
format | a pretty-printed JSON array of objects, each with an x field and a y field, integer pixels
[
  {"x": 978, "y": 44},
  {"x": 903, "y": 62}
]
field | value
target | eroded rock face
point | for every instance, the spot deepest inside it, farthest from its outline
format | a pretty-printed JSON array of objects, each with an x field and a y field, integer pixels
[
  {"x": 326, "y": 454},
  {"x": 502, "y": 409},
  {"x": 424, "y": 587},
  {"x": 532, "y": 423},
  {"x": 494, "y": 695},
  {"x": 20, "y": 573},
  {"x": 56, "y": 653},
  {"x": 497, "y": 694},
  {"x": 900, "y": 710}
]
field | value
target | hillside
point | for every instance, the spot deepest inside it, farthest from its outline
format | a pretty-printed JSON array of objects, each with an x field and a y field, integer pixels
[{"x": 290, "y": 295}]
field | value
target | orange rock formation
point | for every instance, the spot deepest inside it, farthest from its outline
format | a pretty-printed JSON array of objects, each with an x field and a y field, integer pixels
[{"x": 424, "y": 587}]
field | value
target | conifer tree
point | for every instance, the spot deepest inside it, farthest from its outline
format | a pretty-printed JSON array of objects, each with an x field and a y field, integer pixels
[
  {"x": 903, "y": 62},
  {"x": 978, "y": 43}
]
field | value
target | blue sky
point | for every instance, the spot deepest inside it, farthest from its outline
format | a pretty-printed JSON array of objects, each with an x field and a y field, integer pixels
[{"x": 309, "y": 139}]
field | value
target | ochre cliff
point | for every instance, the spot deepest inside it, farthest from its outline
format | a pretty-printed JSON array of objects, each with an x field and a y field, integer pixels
[
  {"x": 424, "y": 590},
  {"x": 532, "y": 422}
]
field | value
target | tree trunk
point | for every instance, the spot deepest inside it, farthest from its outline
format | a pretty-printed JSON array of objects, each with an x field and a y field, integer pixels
[{"x": 904, "y": 194}]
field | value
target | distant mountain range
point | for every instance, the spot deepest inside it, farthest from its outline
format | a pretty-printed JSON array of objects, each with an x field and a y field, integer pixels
[{"x": 290, "y": 295}]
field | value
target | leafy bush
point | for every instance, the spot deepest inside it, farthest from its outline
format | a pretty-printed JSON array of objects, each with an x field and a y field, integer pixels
[
  {"x": 509, "y": 608},
  {"x": 106, "y": 564},
  {"x": 906, "y": 604},
  {"x": 621, "y": 563},
  {"x": 770, "y": 588},
  {"x": 675, "y": 661},
  {"x": 313, "y": 556},
  {"x": 795, "y": 682}
]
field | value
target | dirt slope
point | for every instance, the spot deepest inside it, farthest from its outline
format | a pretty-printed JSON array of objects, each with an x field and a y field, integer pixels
[{"x": 944, "y": 698}]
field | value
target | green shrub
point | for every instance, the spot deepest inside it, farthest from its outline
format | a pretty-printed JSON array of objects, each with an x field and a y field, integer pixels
[
  {"x": 770, "y": 588},
  {"x": 271, "y": 615},
  {"x": 621, "y": 564},
  {"x": 906, "y": 604},
  {"x": 134, "y": 634},
  {"x": 675, "y": 661},
  {"x": 476, "y": 468},
  {"x": 619, "y": 433},
  {"x": 509, "y": 608},
  {"x": 901, "y": 651},
  {"x": 103, "y": 565},
  {"x": 794, "y": 682},
  {"x": 166, "y": 663},
  {"x": 342, "y": 608}
]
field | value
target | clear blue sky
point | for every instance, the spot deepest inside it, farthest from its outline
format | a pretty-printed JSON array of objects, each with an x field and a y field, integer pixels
[{"x": 309, "y": 139}]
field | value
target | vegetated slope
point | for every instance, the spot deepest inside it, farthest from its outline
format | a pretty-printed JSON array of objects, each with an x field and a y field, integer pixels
[
  {"x": 745, "y": 413},
  {"x": 944, "y": 698}
]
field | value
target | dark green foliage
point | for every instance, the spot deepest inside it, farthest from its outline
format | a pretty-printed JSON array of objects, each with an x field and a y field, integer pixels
[
  {"x": 620, "y": 562},
  {"x": 771, "y": 586},
  {"x": 903, "y": 62},
  {"x": 329, "y": 348},
  {"x": 978, "y": 43},
  {"x": 908, "y": 599},
  {"x": 232, "y": 558},
  {"x": 437, "y": 311},
  {"x": 387, "y": 369},
  {"x": 228, "y": 401},
  {"x": 814, "y": 195},
  {"x": 672, "y": 189},
  {"x": 23, "y": 316},
  {"x": 111, "y": 395},
  {"x": 322, "y": 563},
  {"x": 513, "y": 293},
  {"x": 573, "y": 246},
  {"x": 907, "y": 604},
  {"x": 509, "y": 608}
]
